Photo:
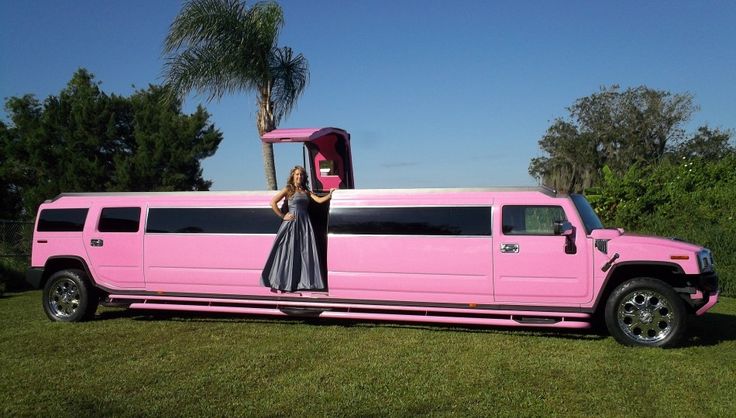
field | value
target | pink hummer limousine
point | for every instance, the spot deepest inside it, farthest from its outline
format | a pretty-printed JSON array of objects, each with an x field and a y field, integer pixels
[{"x": 498, "y": 256}]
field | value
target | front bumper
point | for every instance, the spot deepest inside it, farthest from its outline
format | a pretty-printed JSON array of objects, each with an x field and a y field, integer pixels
[
  {"x": 711, "y": 300},
  {"x": 706, "y": 292},
  {"x": 34, "y": 275}
]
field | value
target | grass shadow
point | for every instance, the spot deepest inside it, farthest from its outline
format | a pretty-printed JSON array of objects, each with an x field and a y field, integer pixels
[
  {"x": 96, "y": 406},
  {"x": 117, "y": 313},
  {"x": 183, "y": 316},
  {"x": 10, "y": 295},
  {"x": 544, "y": 332},
  {"x": 711, "y": 329},
  {"x": 707, "y": 330}
]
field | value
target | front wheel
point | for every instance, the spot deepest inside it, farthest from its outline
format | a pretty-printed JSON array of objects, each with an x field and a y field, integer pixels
[
  {"x": 646, "y": 312},
  {"x": 69, "y": 297}
]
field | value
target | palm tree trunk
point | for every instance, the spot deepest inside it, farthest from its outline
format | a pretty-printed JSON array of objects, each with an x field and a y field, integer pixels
[
  {"x": 269, "y": 168},
  {"x": 266, "y": 123}
]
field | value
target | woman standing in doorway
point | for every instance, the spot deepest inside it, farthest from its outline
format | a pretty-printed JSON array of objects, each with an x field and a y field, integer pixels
[{"x": 293, "y": 264}]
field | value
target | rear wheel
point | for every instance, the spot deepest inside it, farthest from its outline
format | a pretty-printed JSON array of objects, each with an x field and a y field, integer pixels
[
  {"x": 68, "y": 296},
  {"x": 646, "y": 312}
]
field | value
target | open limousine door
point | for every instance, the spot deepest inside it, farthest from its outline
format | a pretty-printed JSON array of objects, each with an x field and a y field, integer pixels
[{"x": 330, "y": 163}]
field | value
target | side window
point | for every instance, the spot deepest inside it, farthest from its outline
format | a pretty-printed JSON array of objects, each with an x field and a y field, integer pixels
[
  {"x": 212, "y": 221},
  {"x": 62, "y": 220},
  {"x": 444, "y": 220},
  {"x": 531, "y": 220},
  {"x": 119, "y": 220}
]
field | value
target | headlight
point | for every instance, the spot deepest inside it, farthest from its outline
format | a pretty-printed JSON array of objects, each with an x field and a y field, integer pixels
[{"x": 705, "y": 260}]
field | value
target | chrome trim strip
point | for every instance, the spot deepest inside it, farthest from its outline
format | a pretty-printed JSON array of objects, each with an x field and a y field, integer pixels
[
  {"x": 293, "y": 297},
  {"x": 541, "y": 189},
  {"x": 201, "y": 234},
  {"x": 340, "y": 192},
  {"x": 332, "y": 234},
  {"x": 146, "y": 194},
  {"x": 405, "y": 205},
  {"x": 212, "y": 207}
]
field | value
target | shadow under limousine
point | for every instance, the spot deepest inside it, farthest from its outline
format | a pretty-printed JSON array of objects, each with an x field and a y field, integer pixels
[
  {"x": 707, "y": 330},
  {"x": 180, "y": 316}
]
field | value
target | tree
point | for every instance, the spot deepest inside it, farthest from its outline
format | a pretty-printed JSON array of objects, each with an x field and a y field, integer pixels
[
  {"x": 10, "y": 199},
  {"x": 611, "y": 128},
  {"x": 222, "y": 46},
  {"x": 166, "y": 147},
  {"x": 573, "y": 159},
  {"x": 84, "y": 140},
  {"x": 707, "y": 143}
]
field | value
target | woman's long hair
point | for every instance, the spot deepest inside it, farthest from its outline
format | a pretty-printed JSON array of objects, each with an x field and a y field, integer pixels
[{"x": 291, "y": 187}]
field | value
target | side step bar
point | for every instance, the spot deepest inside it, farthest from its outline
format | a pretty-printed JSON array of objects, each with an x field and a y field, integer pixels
[{"x": 359, "y": 311}]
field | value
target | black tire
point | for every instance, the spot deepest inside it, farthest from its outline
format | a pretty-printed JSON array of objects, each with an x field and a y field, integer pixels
[
  {"x": 646, "y": 312},
  {"x": 68, "y": 296}
]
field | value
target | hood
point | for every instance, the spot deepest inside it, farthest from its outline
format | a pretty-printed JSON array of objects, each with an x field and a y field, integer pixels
[
  {"x": 628, "y": 239},
  {"x": 647, "y": 248},
  {"x": 620, "y": 238}
]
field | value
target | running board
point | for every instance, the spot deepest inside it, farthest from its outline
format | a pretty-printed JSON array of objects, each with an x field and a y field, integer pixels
[
  {"x": 360, "y": 311},
  {"x": 535, "y": 320}
]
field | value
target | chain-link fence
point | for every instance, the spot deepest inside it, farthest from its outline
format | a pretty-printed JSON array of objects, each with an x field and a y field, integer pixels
[
  {"x": 15, "y": 250},
  {"x": 15, "y": 238}
]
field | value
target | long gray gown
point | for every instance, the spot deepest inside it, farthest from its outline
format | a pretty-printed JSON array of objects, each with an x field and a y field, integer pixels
[{"x": 294, "y": 262}]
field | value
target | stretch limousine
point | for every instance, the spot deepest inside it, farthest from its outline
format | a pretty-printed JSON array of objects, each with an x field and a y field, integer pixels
[{"x": 496, "y": 256}]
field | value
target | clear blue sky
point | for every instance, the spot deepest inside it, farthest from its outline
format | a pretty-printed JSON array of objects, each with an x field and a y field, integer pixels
[{"x": 434, "y": 93}]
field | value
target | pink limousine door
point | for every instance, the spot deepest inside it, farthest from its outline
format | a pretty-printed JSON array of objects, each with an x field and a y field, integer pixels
[
  {"x": 532, "y": 264},
  {"x": 330, "y": 162},
  {"x": 115, "y": 246}
]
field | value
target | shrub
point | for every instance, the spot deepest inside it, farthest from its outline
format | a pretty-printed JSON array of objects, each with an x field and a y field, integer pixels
[
  {"x": 12, "y": 274},
  {"x": 691, "y": 199}
]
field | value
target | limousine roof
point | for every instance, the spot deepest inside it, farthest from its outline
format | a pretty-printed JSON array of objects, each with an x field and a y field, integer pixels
[{"x": 349, "y": 192}]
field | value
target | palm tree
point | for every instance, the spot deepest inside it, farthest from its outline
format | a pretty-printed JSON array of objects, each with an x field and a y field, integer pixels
[{"x": 222, "y": 46}]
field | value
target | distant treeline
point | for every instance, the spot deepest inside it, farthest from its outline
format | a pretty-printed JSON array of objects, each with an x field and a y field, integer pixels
[{"x": 84, "y": 140}]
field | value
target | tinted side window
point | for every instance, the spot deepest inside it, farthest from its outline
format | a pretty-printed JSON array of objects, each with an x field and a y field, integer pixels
[
  {"x": 62, "y": 220},
  {"x": 531, "y": 220},
  {"x": 411, "y": 221},
  {"x": 212, "y": 221},
  {"x": 119, "y": 220}
]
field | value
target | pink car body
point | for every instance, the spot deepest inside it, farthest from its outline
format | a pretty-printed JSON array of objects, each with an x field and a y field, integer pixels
[{"x": 496, "y": 256}]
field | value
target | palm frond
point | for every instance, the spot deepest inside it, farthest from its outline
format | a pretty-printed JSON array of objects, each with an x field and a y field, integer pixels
[
  {"x": 262, "y": 25},
  {"x": 208, "y": 70},
  {"x": 290, "y": 76},
  {"x": 204, "y": 21},
  {"x": 220, "y": 46}
]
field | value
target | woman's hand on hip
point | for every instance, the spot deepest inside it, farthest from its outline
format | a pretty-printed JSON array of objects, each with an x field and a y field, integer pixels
[{"x": 289, "y": 217}]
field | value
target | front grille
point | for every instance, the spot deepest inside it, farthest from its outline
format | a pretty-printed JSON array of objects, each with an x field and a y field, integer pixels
[{"x": 708, "y": 283}]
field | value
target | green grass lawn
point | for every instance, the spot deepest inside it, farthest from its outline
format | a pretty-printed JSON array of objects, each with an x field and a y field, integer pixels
[{"x": 129, "y": 363}]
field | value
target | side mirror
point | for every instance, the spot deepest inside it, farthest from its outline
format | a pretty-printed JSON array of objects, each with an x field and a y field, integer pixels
[
  {"x": 563, "y": 228},
  {"x": 566, "y": 229}
]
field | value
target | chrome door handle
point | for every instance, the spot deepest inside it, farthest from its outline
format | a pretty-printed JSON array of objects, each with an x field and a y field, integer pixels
[
  {"x": 510, "y": 248},
  {"x": 96, "y": 243}
]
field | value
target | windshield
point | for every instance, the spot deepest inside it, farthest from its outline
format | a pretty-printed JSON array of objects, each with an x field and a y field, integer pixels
[{"x": 590, "y": 219}]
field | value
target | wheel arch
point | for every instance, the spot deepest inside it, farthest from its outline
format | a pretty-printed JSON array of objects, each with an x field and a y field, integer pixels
[
  {"x": 65, "y": 262},
  {"x": 670, "y": 273}
]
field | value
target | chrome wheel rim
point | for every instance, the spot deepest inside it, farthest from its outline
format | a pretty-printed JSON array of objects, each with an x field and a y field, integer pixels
[
  {"x": 645, "y": 316},
  {"x": 64, "y": 298}
]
